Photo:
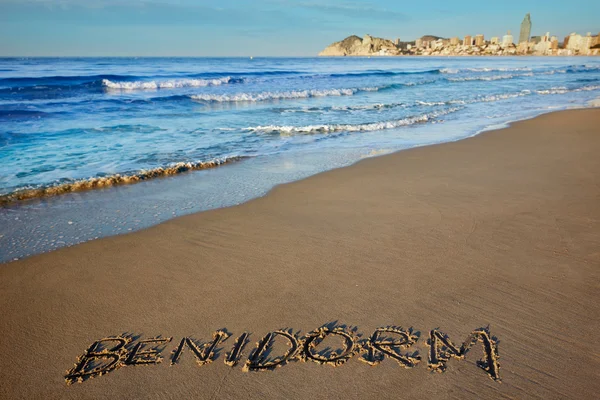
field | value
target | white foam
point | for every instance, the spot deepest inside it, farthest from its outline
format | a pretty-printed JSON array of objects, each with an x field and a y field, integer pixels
[
  {"x": 457, "y": 71},
  {"x": 293, "y": 94},
  {"x": 375, "y": 126},
  {"x": 377, "y": 106},
  {"x": 480, "y": 99},
  {"x": 554, "y": 90},
  {"x": 430, "y": 103},
  {"x": 504, "y": 96},
  {"x": 487, "y": 78},
  {"x": 587, "y": 88},
  {"x": 169, "y": 84},
  {"x": 594, "y": 103}
]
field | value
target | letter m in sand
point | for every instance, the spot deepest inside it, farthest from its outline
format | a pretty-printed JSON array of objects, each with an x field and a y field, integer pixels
[{"x": 441, "y": 349}]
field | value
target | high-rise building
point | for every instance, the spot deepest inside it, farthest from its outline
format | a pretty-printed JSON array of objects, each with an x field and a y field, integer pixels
[
  {"x": 525, "y": 29},
  {"x": 468, "y": 41},
  {"x": 454, "y": 41},
  {"x": 566, "y": 41},
  {"x": 507, "y": 40},
  {"x": 495, "y": 40},
  {"x": 479, "y": 40},
  {"x": 579, "y": 44}
]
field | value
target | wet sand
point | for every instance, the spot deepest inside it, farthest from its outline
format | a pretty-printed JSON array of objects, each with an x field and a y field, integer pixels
[{"x": 499, "y": 230}]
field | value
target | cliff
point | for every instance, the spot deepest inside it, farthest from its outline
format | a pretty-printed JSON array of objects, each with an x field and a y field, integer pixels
[{"x": 367, "y": 46}]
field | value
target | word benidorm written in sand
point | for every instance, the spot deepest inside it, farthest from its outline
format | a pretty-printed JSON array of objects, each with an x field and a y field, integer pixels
[{"x": 108, "y": 354}]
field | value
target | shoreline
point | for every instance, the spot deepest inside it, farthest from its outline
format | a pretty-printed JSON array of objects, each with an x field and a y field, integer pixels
[
  {"x": 496, "y": 230},
  {"x": 89, "y": 186}
]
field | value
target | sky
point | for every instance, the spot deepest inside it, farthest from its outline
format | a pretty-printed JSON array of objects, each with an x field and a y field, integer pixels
[{"x": 263, "y": 27}]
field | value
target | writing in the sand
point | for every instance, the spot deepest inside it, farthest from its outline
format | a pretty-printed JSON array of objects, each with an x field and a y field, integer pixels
[{"x": 330, "y": 345}]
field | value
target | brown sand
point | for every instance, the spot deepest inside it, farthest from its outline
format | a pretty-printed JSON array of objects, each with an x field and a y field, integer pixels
[{"x": 501, "y": 229}]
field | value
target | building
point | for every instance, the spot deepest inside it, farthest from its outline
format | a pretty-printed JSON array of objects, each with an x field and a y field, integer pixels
[
  {"x": 479, "y": 40},
  {"x": 543, "y": 46},
  {"x": 507, "y": 40},
  {"x": 536, "y": 39},
  {"x": 579, "y": 44},
  {"x": 468, "y": 41},
  {"x": 397, "y": 42},
  {"x": 596, "y": 40},
  {"x": 525, "y": 29},
  {"x": 495, "y": 40},
  {"x": 454, "y": 41},
  {"x": 419, "y": 43}
]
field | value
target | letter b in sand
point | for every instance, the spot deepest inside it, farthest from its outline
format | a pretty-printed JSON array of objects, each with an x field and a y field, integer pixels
[{"x": 98, "y": 359}]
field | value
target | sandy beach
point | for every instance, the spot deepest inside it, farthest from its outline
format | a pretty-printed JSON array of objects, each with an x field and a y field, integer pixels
[{"x": 498, "y": 231}]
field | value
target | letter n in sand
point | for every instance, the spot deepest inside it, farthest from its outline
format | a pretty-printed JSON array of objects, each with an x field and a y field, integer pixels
[{"x": 205, "y": 354}]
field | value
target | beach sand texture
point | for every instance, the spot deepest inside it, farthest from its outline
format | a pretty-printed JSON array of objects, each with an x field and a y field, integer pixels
[{"x": 502, "y": 229}]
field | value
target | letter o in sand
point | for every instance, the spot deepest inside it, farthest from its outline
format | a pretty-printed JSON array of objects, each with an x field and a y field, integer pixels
[{"x": 313, "y": 339}]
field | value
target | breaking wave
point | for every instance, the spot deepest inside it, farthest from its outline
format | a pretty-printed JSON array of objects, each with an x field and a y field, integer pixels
[
  {"x": 488, "y": 78},
  {"x": 168, "y": 84},
  {"x": 380, "y": 73},
  {"x": 422, "y": 103},
  {"x": 460, "y": 70},
  {"x": 374, "y": 126},
  {"x": 114, "y": 180},
  {"x": 363, "y": 107},
  {"x": 293, "y": 94},
  {"x": 572, "y": 69},
  {"x": 563, "y": 90}
]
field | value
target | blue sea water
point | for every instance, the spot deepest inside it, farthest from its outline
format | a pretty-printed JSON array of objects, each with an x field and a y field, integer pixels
[{"x": 68, "y": 120}]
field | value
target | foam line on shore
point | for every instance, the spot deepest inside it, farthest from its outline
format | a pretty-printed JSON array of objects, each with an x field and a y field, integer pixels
[{"x": 113, "y": 180}]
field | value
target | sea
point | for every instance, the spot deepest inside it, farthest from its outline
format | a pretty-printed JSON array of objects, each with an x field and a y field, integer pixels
[{"x": 93, "y": 147}]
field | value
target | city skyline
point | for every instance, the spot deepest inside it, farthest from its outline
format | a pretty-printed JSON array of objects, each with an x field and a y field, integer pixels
[{"x": 263, "y": 28}]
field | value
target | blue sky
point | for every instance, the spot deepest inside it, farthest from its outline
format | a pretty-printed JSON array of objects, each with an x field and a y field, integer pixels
[{"x": 262, "y": 27}]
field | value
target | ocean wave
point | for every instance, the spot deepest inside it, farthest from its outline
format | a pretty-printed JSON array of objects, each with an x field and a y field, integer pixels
[
  {"x": 374, "y": 126},
  {"x": 169, "y": 84},
  {"x": 379, "y": 73},
  {"x": 59, "y": 79},
  {"x": 554, "y": 90},
  {"x": 488, "y": 78},
  {"x": 572, "y": 69},
  {"x": 362, "y": 107},
  {"x": 417, "y": 103},
  {"x": 113, "y": 180},
  {"x": 288, "y": 95},
  {"x": 564, "y": 90},
  {"x": 461, "y": 70},
  {"x": 22, "y": 114}
]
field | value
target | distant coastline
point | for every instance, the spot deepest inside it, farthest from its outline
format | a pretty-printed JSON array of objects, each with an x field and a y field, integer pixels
[{"x": 429, "y": 45}]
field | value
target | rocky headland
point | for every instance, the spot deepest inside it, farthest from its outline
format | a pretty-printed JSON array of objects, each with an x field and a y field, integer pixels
[{"x": 356, "y": 46}]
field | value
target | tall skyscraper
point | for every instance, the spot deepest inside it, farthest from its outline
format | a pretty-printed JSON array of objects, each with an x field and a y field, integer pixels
[{"x": 525, "y": 29}]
